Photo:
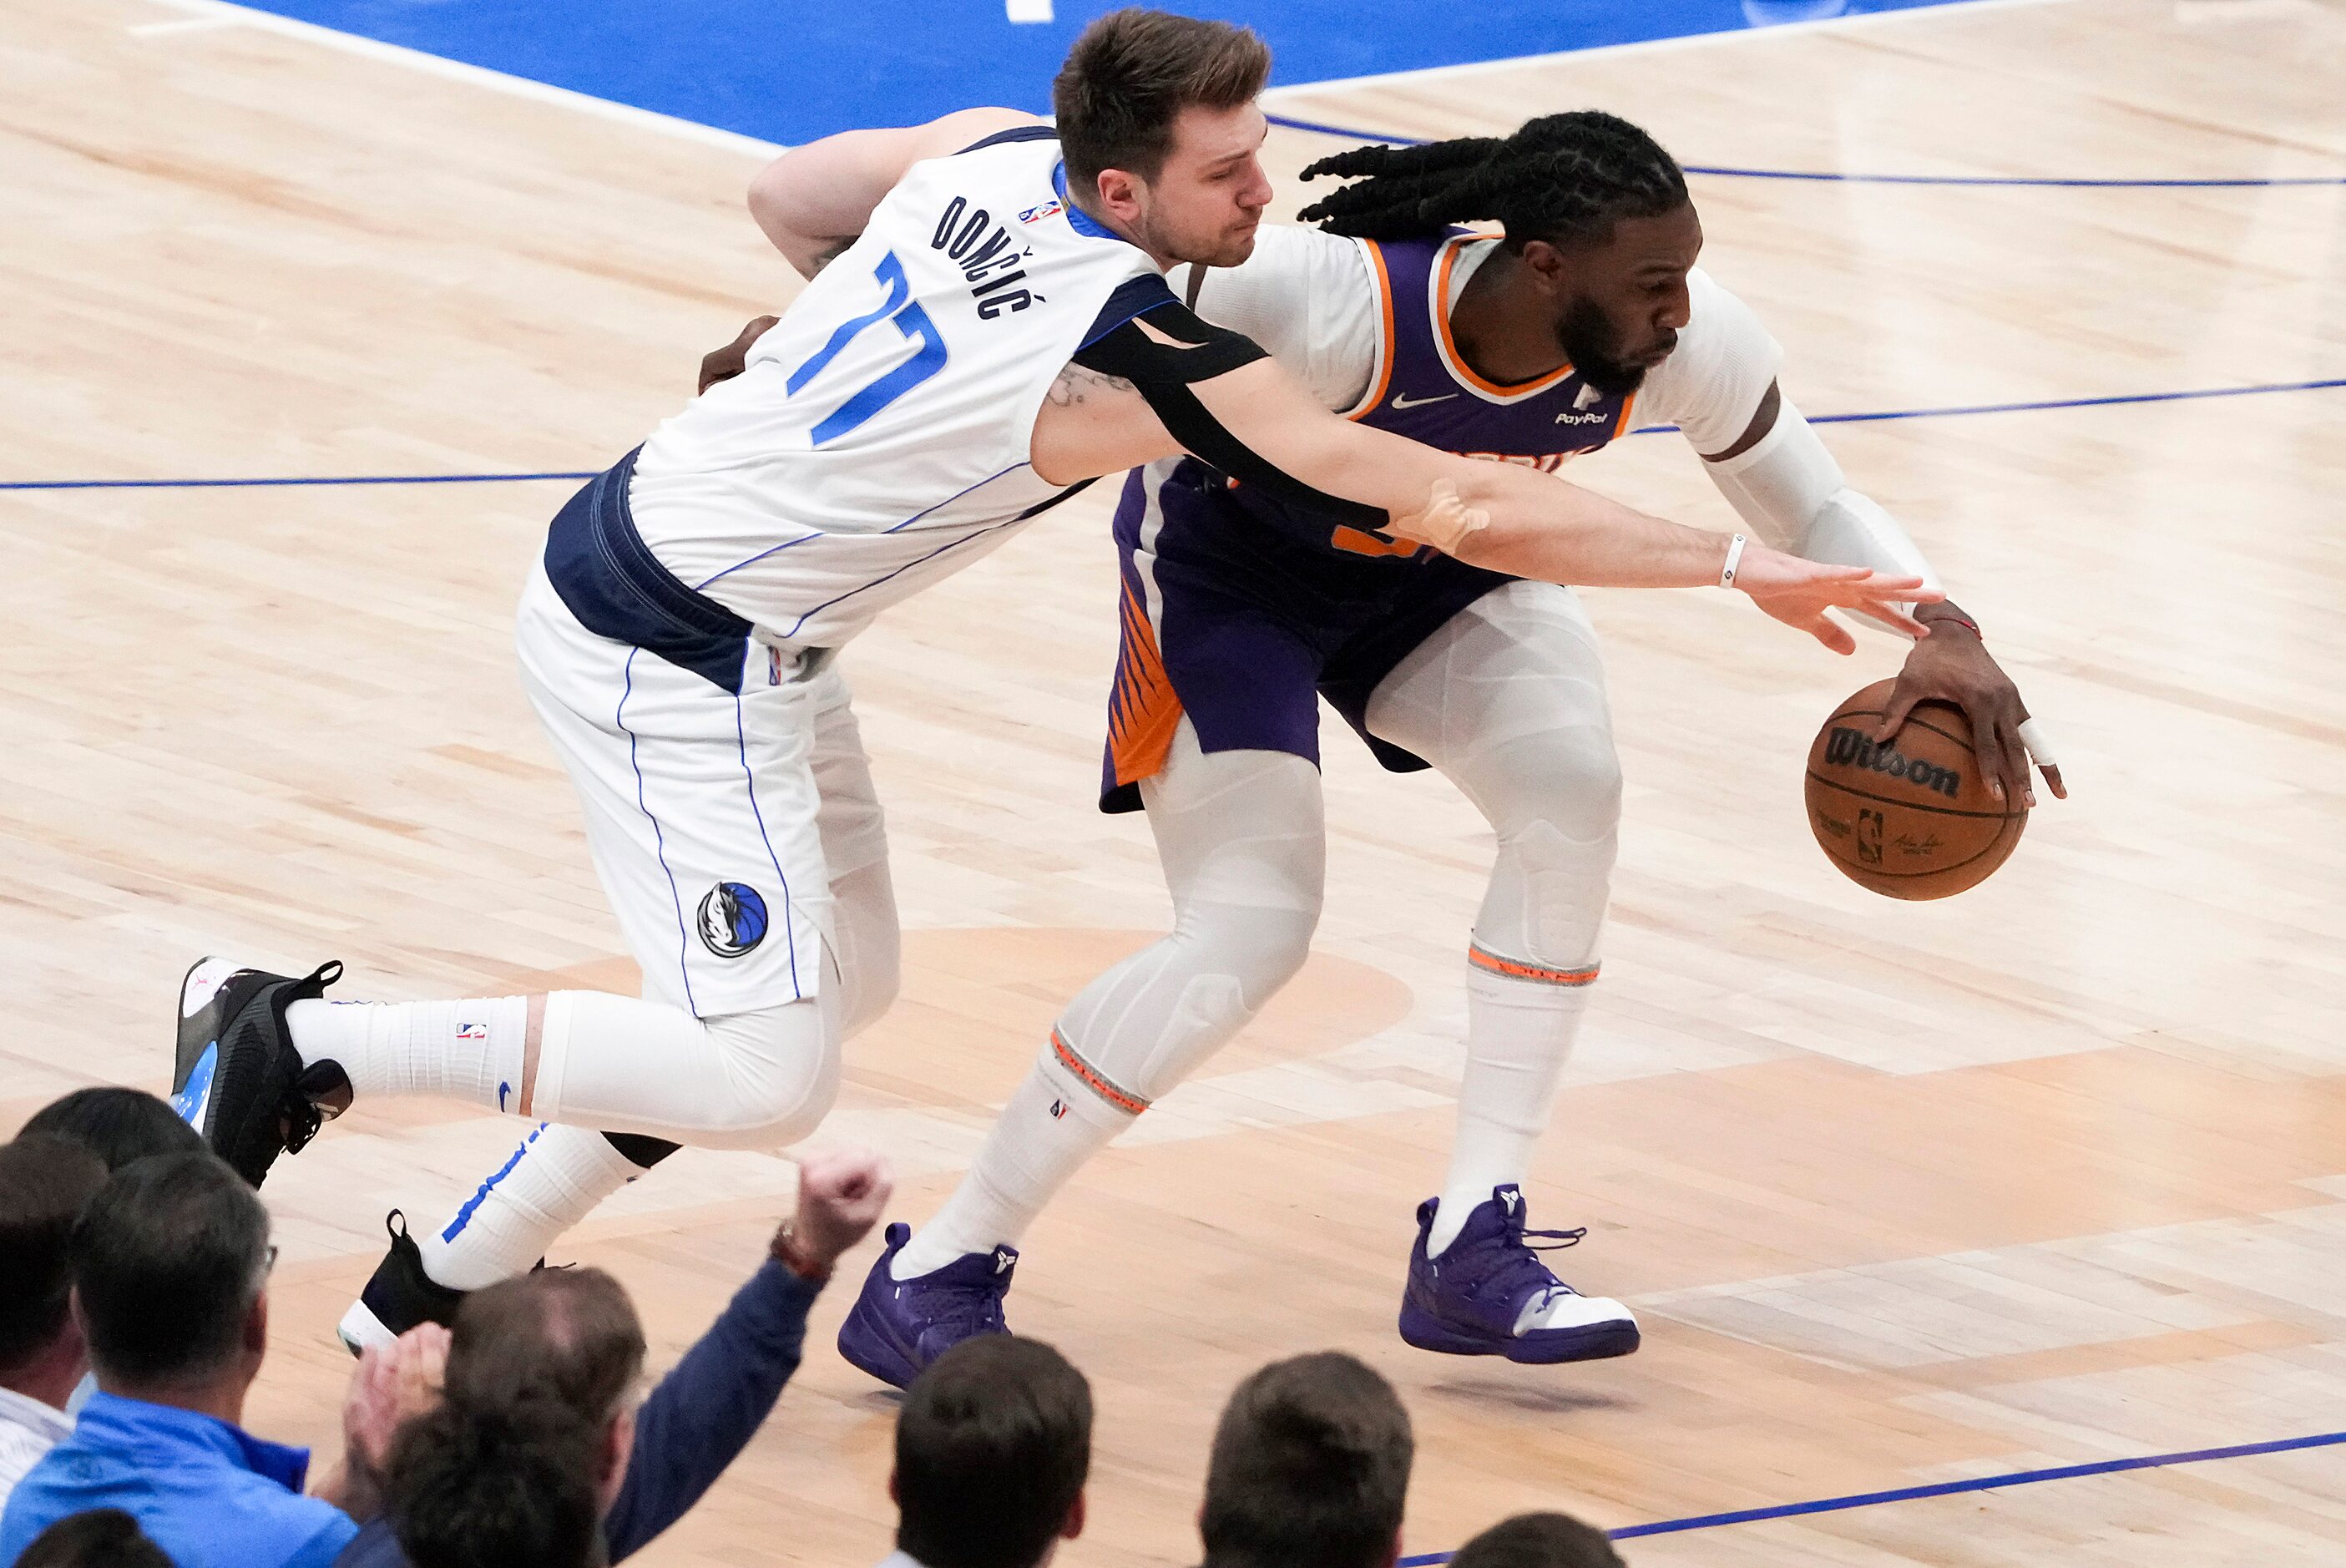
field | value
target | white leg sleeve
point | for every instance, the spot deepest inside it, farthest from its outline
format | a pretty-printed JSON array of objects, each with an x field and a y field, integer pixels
[
  {"x": 554, "y": 1179},
  {"x": 750, "y": 1080},
  {"x": 1244, "y": 847},
  {"x": 1509, "y": 701}
]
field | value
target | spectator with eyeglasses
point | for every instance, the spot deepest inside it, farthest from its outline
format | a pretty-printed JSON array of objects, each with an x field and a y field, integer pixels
[{"x": 170, "y": 1267}]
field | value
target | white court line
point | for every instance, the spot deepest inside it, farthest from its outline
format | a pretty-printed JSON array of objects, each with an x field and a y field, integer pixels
[
  {"x": 222, "y": 13},
  {"x": 1277, "y": 95}
]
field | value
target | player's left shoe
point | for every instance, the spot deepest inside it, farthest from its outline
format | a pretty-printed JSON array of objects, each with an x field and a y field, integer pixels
[
  {"x": 898, "y": 1327},
  {"x": 237, "y": 1078},
  {"x": 1488, "y": 1294},
  {"x": 398, "y": 1296}
]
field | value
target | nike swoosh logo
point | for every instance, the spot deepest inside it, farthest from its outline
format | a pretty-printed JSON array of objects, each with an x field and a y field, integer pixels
[{"x": 1401, "y": 402}]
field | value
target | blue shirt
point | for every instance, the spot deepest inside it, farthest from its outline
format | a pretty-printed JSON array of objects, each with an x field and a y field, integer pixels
[
  {"x": 703, "y": 1413},
  {"x": 209, "y": 1494}
]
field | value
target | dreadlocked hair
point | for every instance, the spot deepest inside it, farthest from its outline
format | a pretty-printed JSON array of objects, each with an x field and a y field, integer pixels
[{"x": 1566, "y": 179}]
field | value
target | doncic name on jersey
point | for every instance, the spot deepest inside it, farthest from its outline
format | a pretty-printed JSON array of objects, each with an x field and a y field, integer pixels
[
  {"x": 964, "y": 235},
  {"x": 733, "y": 919}
]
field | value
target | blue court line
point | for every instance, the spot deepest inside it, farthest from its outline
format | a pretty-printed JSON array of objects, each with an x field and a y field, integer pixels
[
  {"x": 1944, "y": 1489},
  {"x": 1723, "y": 172},
  {"x": 1950, "y": 412},
  {"x": 1957, "y": 411}
]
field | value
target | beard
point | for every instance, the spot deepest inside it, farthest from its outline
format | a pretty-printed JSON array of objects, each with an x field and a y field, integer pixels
[
  {"x": 1591, "y": 342},
  {"x": 1223, "y": 247}
]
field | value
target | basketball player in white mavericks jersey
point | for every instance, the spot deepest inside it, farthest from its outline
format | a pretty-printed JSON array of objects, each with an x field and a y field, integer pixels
[{"x": 987, "y": 328}]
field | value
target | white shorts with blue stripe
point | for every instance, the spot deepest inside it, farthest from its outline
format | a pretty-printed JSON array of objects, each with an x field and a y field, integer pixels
[{"x": 717, "y": 822}]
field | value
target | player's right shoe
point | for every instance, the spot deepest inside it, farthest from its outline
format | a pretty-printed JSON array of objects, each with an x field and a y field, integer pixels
[
  {"x": 1488, "y": 1294},
  {"x": 237, "y": 1078},
  {"x": 899, "y": 1326},
  {"x": 398, "y": 1297}
]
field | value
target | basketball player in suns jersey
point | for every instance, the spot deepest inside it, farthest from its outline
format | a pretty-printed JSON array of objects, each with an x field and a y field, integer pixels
[
  {"x": 1242, "y": 608},
  {"x": 992, "y": 330}
]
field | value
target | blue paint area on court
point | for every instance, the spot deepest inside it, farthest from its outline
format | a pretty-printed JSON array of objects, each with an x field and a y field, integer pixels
[{"x": 790, "y": 73}]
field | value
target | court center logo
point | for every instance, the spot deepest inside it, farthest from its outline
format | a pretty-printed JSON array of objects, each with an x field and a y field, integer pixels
[{"x": 732, "y": 919}]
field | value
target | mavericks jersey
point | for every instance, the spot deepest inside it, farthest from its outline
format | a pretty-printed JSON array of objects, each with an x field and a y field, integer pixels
[{"x": 879, "y": 437}]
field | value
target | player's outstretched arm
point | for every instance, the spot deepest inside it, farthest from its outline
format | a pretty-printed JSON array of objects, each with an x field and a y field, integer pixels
[
  {"x": 813, "y": 200},
  {"x": 1258, "y": 423}
]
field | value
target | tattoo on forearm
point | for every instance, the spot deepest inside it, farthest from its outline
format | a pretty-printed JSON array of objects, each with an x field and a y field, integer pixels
[{"x": 1075, "y": 384}]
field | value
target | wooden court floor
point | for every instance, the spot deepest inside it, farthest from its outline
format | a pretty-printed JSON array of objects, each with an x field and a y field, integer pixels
[{"x": 2052, "y": 1172}]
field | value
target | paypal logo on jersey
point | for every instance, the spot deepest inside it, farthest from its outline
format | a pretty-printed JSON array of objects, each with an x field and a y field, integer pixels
[
  {"x": 732, "y": 919},
  {"x": 192, "y": 1101}
]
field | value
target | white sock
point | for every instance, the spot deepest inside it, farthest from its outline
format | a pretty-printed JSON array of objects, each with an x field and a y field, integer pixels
[
  {"x": 1520, "y": 1028},
  {"x": 1050, "y": 1127},
  {"x": 552, "y": 1182},
  {"x": 469, "y": 1049}
]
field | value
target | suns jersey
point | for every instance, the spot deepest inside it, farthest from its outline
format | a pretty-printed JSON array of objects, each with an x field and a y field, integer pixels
[{"x": 878, "y": 438}]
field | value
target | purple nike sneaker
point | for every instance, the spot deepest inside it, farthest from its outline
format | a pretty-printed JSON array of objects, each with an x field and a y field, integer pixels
[
  {"x": 900, "y": 1325},
  {"x": 1488, "y": 1294}
]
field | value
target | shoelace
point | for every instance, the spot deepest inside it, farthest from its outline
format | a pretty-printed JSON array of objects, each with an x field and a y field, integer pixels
[{"x": 1519, "y": 1269}]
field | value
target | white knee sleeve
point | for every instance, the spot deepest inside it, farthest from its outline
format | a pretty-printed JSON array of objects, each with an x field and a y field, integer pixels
[
  {"x": 1507, "y": 700},
  {"x": 1244, "y": 846},
  {"x": 1555, "y": 802},
  {"x": 1146, "y": 1025},
  {"x": 748, "y": 1080}
]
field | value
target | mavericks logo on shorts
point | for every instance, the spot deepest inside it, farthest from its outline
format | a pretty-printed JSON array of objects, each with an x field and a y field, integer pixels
[{"x": 732, "y": 919}]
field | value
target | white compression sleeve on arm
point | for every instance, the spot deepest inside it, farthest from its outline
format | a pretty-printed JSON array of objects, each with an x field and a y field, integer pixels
[{"x": 1789, "y": 489}]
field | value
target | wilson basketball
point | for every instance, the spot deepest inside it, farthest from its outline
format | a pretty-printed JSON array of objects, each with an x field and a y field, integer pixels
[{"x": 1913, "y": 819}]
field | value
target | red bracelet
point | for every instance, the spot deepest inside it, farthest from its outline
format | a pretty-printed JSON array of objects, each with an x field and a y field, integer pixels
[
  {"x": 786, "y": 1252},
  {"x": 1960, "y": 619}
]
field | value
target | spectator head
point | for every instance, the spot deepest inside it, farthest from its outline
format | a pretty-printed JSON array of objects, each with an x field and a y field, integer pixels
[
  {"x": 171, "y": 1266},
  {"x": 993, "y": 1447},
  {"x": 1538, "y": 1541},
  {"x": 117, "y": 1124},
  {"x": 565, "y": 1335},
  {"x": 530, "y": 1443},
  {"x": 1158, "y": 125},
  {"x": 96, "y": 1538},
  {"x": 45, "y": 1184},
  {"x": 470, "y": 1486},
  {"x": 1310, "y": 1468}
]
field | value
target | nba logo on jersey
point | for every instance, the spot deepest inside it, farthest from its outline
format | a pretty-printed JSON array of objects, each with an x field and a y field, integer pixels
[
  {"x": 732, "y": 919},
  {"x": 472, "y": 1032},
  {"x": 1058, "y": 1110}
]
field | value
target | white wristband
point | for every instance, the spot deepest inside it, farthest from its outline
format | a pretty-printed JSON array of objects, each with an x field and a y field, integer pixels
[{"x": 1734, "y": 559}]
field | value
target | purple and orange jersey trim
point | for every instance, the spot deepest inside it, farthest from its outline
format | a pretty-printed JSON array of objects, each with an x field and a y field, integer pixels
[
  {"x": 1143, "y": 710},
  {"x": 1383, "y": 380}
]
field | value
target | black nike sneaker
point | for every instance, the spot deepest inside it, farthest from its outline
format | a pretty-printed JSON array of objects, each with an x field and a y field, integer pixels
[
  {"x": 398, "y": 1297},
  {"x": 237, "y": 1080}
]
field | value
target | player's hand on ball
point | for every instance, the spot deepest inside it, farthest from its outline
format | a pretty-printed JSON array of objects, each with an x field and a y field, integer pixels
[
  {"x": 1799, "y": 592},
  {"x": 842, "y": 1195},
  {"x": 1953, "y": 666},
  {"x": 723, "y": 364}
]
